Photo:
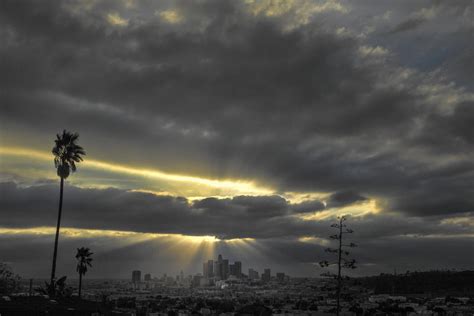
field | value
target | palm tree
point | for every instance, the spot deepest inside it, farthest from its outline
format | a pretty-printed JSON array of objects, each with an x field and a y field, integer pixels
[
  {"x": 66, "y": 154},
  {"x": 84, "y": 260}
]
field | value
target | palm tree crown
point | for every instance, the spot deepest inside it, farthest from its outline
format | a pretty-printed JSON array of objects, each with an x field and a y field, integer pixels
[
  {"x": 67, "y": 153},
  {"x": 84, "y": 260}
]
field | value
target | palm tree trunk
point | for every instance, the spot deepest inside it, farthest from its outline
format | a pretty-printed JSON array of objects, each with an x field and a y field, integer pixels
[
  {"x": 55, "y": 254},
  {"x": 338, "y": 302},
  {"x": 80, "y": 284}
]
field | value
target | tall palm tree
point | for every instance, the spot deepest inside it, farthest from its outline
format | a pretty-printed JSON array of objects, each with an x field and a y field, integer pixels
[
  {"x": 84, "y": 260},
  {"x": 66, "y": 154}
]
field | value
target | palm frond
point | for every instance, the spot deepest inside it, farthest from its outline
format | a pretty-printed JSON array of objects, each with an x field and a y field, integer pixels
[{"x": 67, "y": 153}]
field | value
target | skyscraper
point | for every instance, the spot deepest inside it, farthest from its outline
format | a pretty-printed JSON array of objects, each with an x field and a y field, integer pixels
[
  {"x": 218, "y": 269},
  {"x": 136, "y": 276},
  {"x": 221, "y": 269},
  {"x": 225, "y": 269},
  {"x": 238, "y": 269},
  {"x": 266, "y": 276},
  {"x": 147, "y": 277},
  {"x": 280, "y": 276},
  {"x": 208, "y": 269},
  {"x": 253, "y": 274}
]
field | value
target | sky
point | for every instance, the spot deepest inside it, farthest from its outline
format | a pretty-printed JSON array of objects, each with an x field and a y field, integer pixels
[{"x": 241, "y": 128}]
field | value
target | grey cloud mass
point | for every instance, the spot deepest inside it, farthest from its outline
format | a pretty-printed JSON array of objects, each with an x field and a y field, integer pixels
[
  {"x": 414, "y": 241},
  {"x": 260, "y": 217},
  {"x": 371, "y": 103}
]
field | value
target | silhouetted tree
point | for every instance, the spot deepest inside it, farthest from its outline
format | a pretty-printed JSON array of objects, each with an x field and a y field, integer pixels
[
  {"x": 66, "y": 154},
  {"x": 83, "y": 257},
  {"x": 57, "y": 288},
  {"x": 343, "y": 260},
  {"x": 9, "y": 282}
]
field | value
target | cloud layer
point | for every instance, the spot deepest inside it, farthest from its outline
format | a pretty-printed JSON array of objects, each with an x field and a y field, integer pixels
[{"x": 341, "y": 103}]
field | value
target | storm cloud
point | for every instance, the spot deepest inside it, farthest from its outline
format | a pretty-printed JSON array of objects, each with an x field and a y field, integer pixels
[
  {"x": 259, "y": 217},
  {"x": 343, "y": 103}
]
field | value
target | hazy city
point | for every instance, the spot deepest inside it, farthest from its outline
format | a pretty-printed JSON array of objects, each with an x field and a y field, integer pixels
[{"x": 236, "y": 157}]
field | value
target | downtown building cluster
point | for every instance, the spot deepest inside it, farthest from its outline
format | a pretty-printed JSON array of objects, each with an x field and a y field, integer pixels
[
  {"x": 221, "y": 269},
  {"x": 219, "y": 272}
]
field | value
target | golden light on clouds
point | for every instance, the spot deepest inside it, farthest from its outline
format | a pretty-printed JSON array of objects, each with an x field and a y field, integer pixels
[
  {"x": 83, "y": 233},
  {"x": 69, "y": 232},
  {"x": 465, "y": 221},
  {"x": 115, "y": 19},
  {"x": 280, "y": 7},
  {"x": 299, "y": 12},
  {"x": 191, "y": 187},
  {"x": 235, "y": 186},
  {"x": 314, "y": 240},
  {"x": 269, "y": 7},
  {"x": 170, "y": 16},
  {"x": 185, "y": 248},
  {"x": 74, "y": 233},
  {"x": 369, "y": 206}
]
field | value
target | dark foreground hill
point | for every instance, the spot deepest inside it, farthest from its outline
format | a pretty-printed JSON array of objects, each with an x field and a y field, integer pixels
[
  {"x": 39, "y": 306},
  {"x": 430, "y": 282}
]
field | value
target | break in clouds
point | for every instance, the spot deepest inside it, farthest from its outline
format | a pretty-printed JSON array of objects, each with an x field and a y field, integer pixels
[
  {"x": 360, "y": 101},
  {"x": 279, "y": 237}
]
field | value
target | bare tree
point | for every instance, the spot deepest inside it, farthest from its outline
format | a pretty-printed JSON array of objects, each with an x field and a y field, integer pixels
[{"x": 343, "y": 260}]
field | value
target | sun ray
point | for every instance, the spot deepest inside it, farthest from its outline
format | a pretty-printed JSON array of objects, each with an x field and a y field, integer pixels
[{"x": 234, "y": 185}]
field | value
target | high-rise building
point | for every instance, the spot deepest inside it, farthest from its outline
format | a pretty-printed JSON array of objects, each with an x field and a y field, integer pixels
[
  {"x": 280, "y": 276},
  {"x": 253, "y": 274},
  {"x": 225, "y": 269},
  {"x": 221, "y": 269},
  {"x": 136, "y": 276},
  {"x": 208, "y": 269},
  {"x": 266, "y": 275},
  {"x": 218, "y": 269},
  {"x": 147, "y": 277},
  {"x": 238, "y": 269},
  {"x": 235, "y": 269}
]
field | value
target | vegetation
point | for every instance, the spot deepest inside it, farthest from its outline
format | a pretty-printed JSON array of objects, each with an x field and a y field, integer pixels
[
  {"x": 56, "y": 288},
  {"x": 430, "y": 282},
  {"x": 66, "y": 154},
  {"x": 343, "y": 260},
  {"x": 9, "y": 282},
  {"x": 84, "y": 260}
]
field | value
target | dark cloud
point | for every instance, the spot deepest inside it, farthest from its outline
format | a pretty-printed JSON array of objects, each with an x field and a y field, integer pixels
[
  {"x": 415, "y": 242},
  {"x": 228, "y": 94},
  {"x": 113, "y": 259},
  {"x": 308, "y": 206},
  {"x": 113, "y": 209},
  {"x": 238, "y": 97},
  {"x": 237, "y": 217},
  {"x": 408, "y": 25},
  {"x": 343, "y": 198}
]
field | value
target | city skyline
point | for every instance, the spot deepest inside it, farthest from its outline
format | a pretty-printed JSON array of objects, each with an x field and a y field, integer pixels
[
  {"x": 237, "y": 127},
  {"x": 213, "y": 270}
]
